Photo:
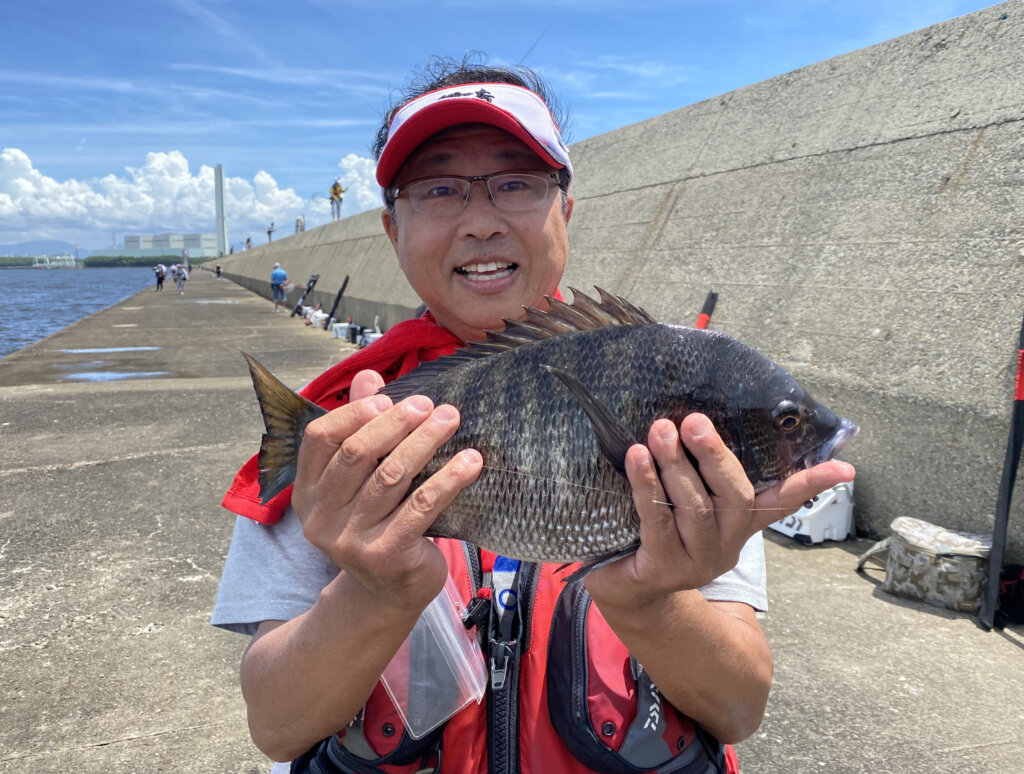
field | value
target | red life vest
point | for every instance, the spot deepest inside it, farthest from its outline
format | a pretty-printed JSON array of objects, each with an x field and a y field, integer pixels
[{"x": 566, "y": 712}]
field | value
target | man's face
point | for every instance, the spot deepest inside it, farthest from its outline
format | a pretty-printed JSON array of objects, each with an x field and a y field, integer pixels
[{"x": 482, "y": 263}]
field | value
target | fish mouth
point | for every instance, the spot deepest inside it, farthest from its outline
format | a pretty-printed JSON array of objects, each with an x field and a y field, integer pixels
[
  {"x": 485, "y": 271},
  {"x": 840, "y": 439}
]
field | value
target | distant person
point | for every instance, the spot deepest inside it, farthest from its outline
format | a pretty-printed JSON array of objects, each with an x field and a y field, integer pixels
[
  {"x": 278, "y": 278},
  {"x": 248, "y": 243},
  {"x": 218, "y": 271},
  {"x": 270, "y": 231},
  {"x": 160, "y": 271},
  {"x": 181, "y": 277},
  {"x": 337, "y": 194}
]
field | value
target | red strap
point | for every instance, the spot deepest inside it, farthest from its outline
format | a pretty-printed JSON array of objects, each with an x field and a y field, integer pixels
[{"x": 1018, "y": 392}]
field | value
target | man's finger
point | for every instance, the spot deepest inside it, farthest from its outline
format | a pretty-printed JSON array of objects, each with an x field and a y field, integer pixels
[
  {"x": 364, "y": 384},
  {"x": 787, "y": 497},
  {"x": 408, "y": 440},
  {"x": 325, "y": 435},
  {"x": 726, "y": 480},
  {"x": 424, "y": 503}
]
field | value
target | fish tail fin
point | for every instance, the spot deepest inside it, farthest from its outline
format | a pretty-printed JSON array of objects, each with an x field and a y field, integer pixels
[
  {"x": 598, "y": 562},
  {"x": 285, "y": 414}
]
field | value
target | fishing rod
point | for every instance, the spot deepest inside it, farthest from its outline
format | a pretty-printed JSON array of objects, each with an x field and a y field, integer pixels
[
  {"x": 990, "y": 601},
  {"x": 309, "y": 287},
  {"x": 705, "y": 313},
  {"x": 337, "y": 300}
]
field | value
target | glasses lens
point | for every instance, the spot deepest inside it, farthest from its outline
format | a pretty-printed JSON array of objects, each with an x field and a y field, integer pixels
[
  {"x": 512, "y": 191},
  {"x": 517, "y": 191},
  {"x": 438, "y": 195}
]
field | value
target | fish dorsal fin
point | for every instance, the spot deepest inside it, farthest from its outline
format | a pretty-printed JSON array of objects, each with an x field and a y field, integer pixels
[{"x": 583, "y": 314}]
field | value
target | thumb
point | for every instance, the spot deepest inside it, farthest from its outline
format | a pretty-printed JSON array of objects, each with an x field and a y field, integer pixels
[{"x": 364, "y": 384}]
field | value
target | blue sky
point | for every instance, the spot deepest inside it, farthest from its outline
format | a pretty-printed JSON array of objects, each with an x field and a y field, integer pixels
[{"x": 113, "y": 113}]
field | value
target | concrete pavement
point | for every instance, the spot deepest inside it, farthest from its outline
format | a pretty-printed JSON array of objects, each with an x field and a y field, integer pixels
[{"x": 112, "y": 542}]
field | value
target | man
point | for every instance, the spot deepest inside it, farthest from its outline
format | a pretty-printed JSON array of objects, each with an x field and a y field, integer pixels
[
  {"x": 337, "y": 195},
  {"x": 270, "y": 232},
  {"x": 278, "y": 278},
  {"x": 181, "y": 277},
  {"x": 334, "y": 587}
]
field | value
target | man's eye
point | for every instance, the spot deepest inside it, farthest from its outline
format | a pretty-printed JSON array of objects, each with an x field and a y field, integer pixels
[
  {"x": 516, "y": 185},
  {"x": 439, "y": 191}
]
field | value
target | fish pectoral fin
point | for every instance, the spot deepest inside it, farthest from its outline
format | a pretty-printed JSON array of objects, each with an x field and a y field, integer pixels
[
  {"x": 599, "y": 562},
  {"x": 613, "y": 437}
]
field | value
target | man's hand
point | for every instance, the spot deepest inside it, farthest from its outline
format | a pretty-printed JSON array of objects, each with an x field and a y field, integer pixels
[
  {"x": 699, "y": 536},
  {"x": 351, "y": 489}
]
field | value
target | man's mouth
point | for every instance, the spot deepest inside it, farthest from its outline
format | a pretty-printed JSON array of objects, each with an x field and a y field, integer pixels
[{"x": 491, "y": 270}]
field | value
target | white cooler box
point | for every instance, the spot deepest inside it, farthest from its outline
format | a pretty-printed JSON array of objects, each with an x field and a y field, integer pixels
[{"x": 828, "y": 516}]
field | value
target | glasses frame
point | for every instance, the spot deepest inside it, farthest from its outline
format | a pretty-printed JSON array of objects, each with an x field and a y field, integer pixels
[{"x": 392, "y": 194}]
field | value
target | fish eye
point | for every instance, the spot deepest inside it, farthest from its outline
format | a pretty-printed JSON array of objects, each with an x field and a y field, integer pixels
[{"x": 787, "y": 416}]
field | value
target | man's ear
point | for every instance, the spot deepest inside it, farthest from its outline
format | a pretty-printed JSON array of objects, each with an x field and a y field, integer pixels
[
  {"x": 568, "y": 208},
  {"x": 387, "y": 219}
]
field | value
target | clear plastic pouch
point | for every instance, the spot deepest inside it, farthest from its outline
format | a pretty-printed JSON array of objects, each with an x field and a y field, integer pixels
[{"x": 439, "y": 669}]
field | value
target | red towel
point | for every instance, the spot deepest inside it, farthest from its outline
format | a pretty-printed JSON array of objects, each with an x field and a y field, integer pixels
[{"x": 399, "y": 351}]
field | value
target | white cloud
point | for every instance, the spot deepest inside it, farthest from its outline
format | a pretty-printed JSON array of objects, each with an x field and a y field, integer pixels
[
  {"x": 161, "y": 195},
  {"x": 358, "y": 175}
]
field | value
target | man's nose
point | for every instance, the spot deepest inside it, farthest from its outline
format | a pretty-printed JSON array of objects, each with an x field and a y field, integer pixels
[{"x": 481, "y": 218}]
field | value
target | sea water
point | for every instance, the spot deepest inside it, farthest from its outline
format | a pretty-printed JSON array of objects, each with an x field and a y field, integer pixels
[{"x": 38, "y": 302}]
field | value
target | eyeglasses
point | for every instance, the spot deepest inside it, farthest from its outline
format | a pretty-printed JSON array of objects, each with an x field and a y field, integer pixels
[{"x": 447, "y": 196}]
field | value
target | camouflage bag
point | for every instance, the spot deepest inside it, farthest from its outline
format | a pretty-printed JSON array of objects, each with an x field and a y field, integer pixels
[{"x": 930, "y": 563}]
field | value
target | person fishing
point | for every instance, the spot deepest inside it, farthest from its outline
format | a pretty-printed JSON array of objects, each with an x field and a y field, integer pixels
[
  {"x": 337, "y": 197},
  {"x": 670, "y": 665}
]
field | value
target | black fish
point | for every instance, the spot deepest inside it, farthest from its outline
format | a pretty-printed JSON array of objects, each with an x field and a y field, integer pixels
[{"x": 554, "y": 401}]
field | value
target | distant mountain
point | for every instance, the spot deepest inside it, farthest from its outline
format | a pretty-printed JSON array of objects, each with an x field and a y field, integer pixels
[{"x": 43, "y": 247}]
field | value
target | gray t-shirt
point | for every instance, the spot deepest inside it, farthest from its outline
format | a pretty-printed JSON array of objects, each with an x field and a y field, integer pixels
[{"x": 272, "y": 573}]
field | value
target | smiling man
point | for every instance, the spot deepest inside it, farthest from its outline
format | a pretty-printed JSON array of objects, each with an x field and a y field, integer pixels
[{"x": 670, "y": 662}]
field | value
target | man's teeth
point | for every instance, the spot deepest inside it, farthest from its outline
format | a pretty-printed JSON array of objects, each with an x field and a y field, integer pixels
[{"x": 472, "y": 269}]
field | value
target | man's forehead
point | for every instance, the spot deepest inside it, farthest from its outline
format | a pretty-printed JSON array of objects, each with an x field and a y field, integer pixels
[{"x": 479, "y": 139}]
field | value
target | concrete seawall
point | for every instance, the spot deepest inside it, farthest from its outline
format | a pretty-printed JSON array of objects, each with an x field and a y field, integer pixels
[{"x": 860, "y": 220}]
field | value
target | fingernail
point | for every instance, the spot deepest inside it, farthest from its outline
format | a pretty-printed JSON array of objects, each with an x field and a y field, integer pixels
[
  {"x": 666, "y": 431},
  {"x": 380, "y": 403},
  {"x": 420, "y": 404},
  {"x": 445, "y": 413},
  {"x": 470, "y": 457},
  {"x": 700, "y": 427}
]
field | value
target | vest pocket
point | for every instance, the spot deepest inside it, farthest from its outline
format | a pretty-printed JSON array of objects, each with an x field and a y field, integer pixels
[{"x": 604, "y": 706}]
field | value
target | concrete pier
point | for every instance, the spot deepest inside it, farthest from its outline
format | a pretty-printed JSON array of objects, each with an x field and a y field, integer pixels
[{"x": 112, "y": 542}]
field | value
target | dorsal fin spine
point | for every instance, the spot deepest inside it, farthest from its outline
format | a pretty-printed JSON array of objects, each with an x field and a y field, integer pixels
[{"x": 583, "y": 314}]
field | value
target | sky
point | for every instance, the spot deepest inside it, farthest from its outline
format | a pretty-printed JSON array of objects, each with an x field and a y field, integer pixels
[{"x": 114, "y": 113}]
